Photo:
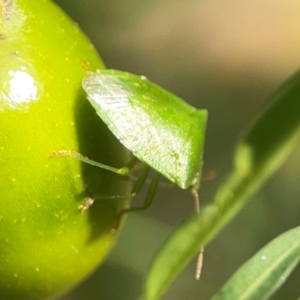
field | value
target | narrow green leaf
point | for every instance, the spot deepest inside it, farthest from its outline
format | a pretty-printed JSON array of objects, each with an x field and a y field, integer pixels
[
  {"x": 258, "y": 155},
  {"x": 266, "y": 271}
]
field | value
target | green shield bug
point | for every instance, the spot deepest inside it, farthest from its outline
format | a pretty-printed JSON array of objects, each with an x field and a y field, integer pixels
[{"x": 160, "y": 129}]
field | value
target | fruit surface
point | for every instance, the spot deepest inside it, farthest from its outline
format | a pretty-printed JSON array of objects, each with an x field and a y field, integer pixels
[{"x": 46, "y": 244}]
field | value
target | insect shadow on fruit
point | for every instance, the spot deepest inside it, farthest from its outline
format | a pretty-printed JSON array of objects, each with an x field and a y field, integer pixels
[
  {"x": 95, "y": 140},
  {"x": 160, "y": 129}
]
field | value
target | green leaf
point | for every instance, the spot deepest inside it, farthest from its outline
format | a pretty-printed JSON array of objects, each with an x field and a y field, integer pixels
[
  {"x": 266, "y": 271},
  {"x": 258, "y": 155}
]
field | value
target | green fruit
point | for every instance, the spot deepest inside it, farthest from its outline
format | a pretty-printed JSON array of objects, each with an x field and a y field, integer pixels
[{"x": 47, "y": 245}]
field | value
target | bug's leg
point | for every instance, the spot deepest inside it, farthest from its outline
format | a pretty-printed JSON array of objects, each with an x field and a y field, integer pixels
[
  {"x": 121, "y": 171},
  {"x": 194, "y": 191},
  {"x": 86, "y": 205},
  {"x": 137, "y": 187},
  {"x": 90, "y": 200}
]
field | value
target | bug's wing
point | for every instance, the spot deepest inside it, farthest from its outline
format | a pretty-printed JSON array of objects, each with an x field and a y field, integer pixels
[
  {"x": 157, "y": 127},
  {"x": 128, "y": 122}
]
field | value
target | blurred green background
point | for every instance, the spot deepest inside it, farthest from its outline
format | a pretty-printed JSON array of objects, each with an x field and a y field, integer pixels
[{"x": 228, "y": 57}]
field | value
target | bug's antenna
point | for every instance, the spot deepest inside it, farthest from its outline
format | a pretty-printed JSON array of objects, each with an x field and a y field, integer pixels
[
  {"x": 196, "y": 199},
  {"x": 200, "y": 256},
  {"x": 199, "y": 264}
]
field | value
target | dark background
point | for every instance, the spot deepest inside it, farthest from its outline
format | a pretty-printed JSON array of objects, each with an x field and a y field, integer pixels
[{"x": 228, "y": 57}]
